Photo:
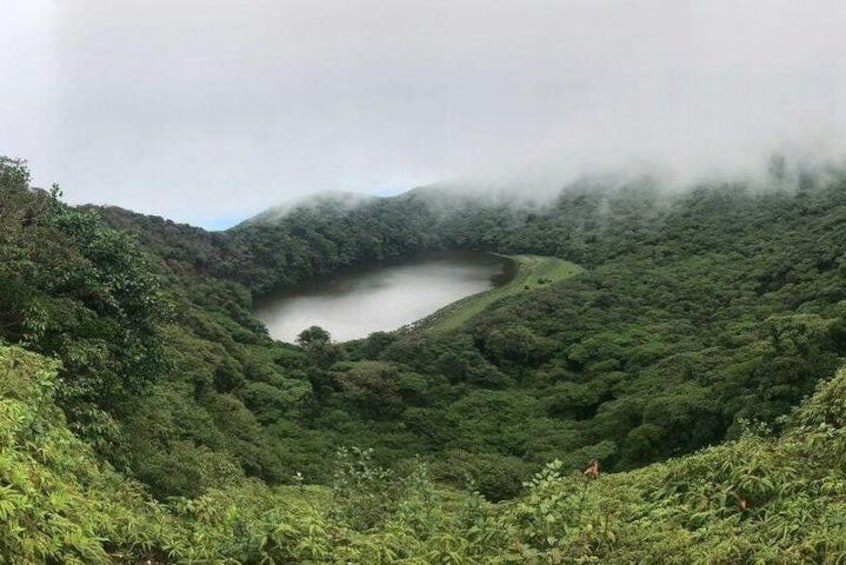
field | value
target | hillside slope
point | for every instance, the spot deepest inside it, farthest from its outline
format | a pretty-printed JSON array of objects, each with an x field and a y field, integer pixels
[
  {"x": 696, "y": 313},
  {"x": 760, "y": 498},
  {"x": 698, "y": 308}
]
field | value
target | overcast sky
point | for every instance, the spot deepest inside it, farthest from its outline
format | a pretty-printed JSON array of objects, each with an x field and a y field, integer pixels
[{"x": 209, "y": 110}]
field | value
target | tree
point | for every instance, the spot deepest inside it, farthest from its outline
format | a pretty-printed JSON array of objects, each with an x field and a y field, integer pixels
[{"x": 313, "y": 337}]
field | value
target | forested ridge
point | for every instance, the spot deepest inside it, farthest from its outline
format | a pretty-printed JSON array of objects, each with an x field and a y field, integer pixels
[{"x": 149, "y": 390}]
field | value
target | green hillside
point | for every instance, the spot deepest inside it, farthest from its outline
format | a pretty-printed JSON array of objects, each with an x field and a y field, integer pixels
[
  {"x": 148, "y": 415},
  {"x": 761, "y": 498}
]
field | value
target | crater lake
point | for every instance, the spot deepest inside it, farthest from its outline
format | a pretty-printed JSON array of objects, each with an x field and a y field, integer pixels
[{"x": 383, "y": 297}]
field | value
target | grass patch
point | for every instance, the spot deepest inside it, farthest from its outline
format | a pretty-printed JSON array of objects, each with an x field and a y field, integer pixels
[{"x": 532, "y": 272}]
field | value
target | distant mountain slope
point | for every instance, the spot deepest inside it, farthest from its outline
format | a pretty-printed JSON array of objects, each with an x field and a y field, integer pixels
[{"x": 320, "y": 201}]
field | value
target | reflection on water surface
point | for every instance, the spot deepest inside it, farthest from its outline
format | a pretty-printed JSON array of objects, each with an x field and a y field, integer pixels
[{"x": 381, "y": 298}]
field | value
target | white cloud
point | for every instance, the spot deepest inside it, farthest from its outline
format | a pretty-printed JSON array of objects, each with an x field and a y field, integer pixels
[{"x": 194, "y": 109}]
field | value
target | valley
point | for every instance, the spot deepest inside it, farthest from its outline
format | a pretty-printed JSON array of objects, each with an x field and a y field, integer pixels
[{"x": 689, "y": 343}]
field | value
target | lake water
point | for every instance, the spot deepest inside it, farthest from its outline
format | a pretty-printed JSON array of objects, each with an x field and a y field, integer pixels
[{"x": 381, "y": 298}]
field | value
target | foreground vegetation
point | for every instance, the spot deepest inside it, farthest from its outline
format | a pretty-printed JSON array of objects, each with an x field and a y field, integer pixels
[
  {"x": 760, "y": 498},
  {"x": 146, "y": 414}
]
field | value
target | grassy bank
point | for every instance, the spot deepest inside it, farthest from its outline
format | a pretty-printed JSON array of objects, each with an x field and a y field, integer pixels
[{"x": 532, "y": 271}]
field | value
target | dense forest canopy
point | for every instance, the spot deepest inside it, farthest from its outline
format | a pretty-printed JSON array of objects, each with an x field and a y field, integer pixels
[{"x": 701, "y": 315}]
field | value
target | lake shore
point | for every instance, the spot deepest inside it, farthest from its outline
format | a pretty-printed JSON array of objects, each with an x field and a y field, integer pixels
[{"x": 529, "y": 273}]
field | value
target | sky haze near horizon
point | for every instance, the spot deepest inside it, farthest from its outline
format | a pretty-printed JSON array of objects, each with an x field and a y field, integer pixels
[{"x": 207, "y": 112}]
